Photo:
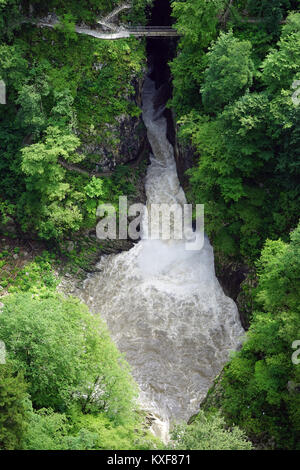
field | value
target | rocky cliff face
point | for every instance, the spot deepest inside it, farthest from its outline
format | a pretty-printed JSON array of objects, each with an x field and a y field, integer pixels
[
  {"x": 234, "y": 276},
  {"x": 120, "y": 142},
  {"x": 185, "y": 156}
]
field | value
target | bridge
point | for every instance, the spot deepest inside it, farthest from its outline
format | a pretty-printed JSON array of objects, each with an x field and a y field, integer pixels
[
  {"x": 114, "y": 32},
  {"x": 153, "y": 31},
  {"x": 111, "y": 31}
]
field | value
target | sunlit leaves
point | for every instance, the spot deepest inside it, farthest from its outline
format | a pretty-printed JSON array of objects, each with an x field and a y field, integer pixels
[
  {"x": 258, "y": 383},
  {"x": 209, "y": 432},
  {"x": 66, "y": 355},
  {"x": 229, "y": 73}
]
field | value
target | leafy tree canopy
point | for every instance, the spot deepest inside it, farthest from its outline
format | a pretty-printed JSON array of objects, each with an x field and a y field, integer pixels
[
  {"x": 64, "y": 353},
  {"x": 260, "y": 385},
  {"x": 229, "y": 73},
  {"x": 13, "y": 396},
  {"x": 209, "y": 432}
]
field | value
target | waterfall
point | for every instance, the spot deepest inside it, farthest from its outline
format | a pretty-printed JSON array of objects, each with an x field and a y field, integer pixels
[{"x": 163, "y": 305}]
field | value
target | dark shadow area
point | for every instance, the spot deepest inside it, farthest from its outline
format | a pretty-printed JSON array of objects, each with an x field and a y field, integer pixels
[
  {"x": 161, "y": 50},
  {"x": 161, "y": 13}
]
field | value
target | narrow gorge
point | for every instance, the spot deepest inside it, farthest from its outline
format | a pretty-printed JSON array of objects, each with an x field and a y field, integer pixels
[
  {"x": 164, "y": 306},
  {"x": 126, "y": 324}
]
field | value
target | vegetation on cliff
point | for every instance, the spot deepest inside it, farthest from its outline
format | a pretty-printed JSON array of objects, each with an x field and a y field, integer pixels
[
  {"x": 236, "y": 106},
  {"x": 64, "y": 384},
  {"x": 208, "y": 431},
  {"x": 66, "y": 96},
  {"x": 242, "y": 121},
  {"x": 259, "y": 388}
]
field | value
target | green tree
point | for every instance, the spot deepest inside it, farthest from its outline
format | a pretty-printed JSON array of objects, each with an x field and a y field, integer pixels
[
  {"x": 197, "y": 21},
  {"x": 78, "y": 86},
  {"x": 13, "y": 410},
  {"x": 260, "y": 385},
  {"x": 10, "y": 16},
  {"x": 51, "y": 431},
  {"x": 209, "y": 432},
  {"x": 271, "y": 11},
  {"x": 119, "y": 436},
  {"x": 49, "y": 198},
  {"x": 66, "y": 355},
  {"x": 281, "y": 66},
  {"x": 229, "y": 73},
  {"x": 245, "y": 152}
]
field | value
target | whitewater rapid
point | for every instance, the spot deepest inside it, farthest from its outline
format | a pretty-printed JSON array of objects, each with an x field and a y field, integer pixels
[{"x": 163, "y": 305}]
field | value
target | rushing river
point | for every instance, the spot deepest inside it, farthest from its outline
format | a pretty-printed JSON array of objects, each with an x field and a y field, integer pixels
[{"x": 163, "y": 304}]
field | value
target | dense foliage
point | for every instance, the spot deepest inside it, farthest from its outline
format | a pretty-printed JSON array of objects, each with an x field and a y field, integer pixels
[
  {"x": 245, "y": 127},
  {"x": 65, "y": 93},
  {"x": 235, "y": 77},
  {"x": 236, "y": 107},
  {"x": 209, "y": 432},
  {"x": 76, "y": 348},
  {"x": 12, "y": 408},
  {"x": 261, "y": 384},
  {"x": 65, "y": 385}
]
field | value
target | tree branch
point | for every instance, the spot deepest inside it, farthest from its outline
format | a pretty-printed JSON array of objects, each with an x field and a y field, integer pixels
[{"x": 107, "y": 20}]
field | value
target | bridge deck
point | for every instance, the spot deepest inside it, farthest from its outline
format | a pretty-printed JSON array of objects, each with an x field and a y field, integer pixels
[
  {"x": 152, "y": 31},
  {"x": 116, "y": 33},
  {"x": 111, "y": 32}
]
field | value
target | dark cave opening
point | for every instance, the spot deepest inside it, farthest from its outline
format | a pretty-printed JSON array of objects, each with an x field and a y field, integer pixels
[
  {"x": 161, "y": 13},
  {"x": 161, "y": 50}
]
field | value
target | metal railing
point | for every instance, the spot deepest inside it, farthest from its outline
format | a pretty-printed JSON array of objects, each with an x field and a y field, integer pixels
[
  {"x": 152, "y": 31},
  {"x": 151, "y": 28}
]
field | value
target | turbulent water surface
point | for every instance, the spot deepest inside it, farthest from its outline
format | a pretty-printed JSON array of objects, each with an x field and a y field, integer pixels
[{"x": 163, "y": 305}]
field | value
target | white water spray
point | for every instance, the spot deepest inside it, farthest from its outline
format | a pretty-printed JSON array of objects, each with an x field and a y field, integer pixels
[{"x": 163, "y": 305}]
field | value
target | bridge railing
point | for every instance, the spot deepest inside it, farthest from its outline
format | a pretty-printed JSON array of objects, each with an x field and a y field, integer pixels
[{"x": 151, "y": 28}]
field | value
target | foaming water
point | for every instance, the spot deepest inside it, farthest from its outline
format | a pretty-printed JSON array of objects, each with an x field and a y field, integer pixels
[{"x": 163, "y": 304}]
